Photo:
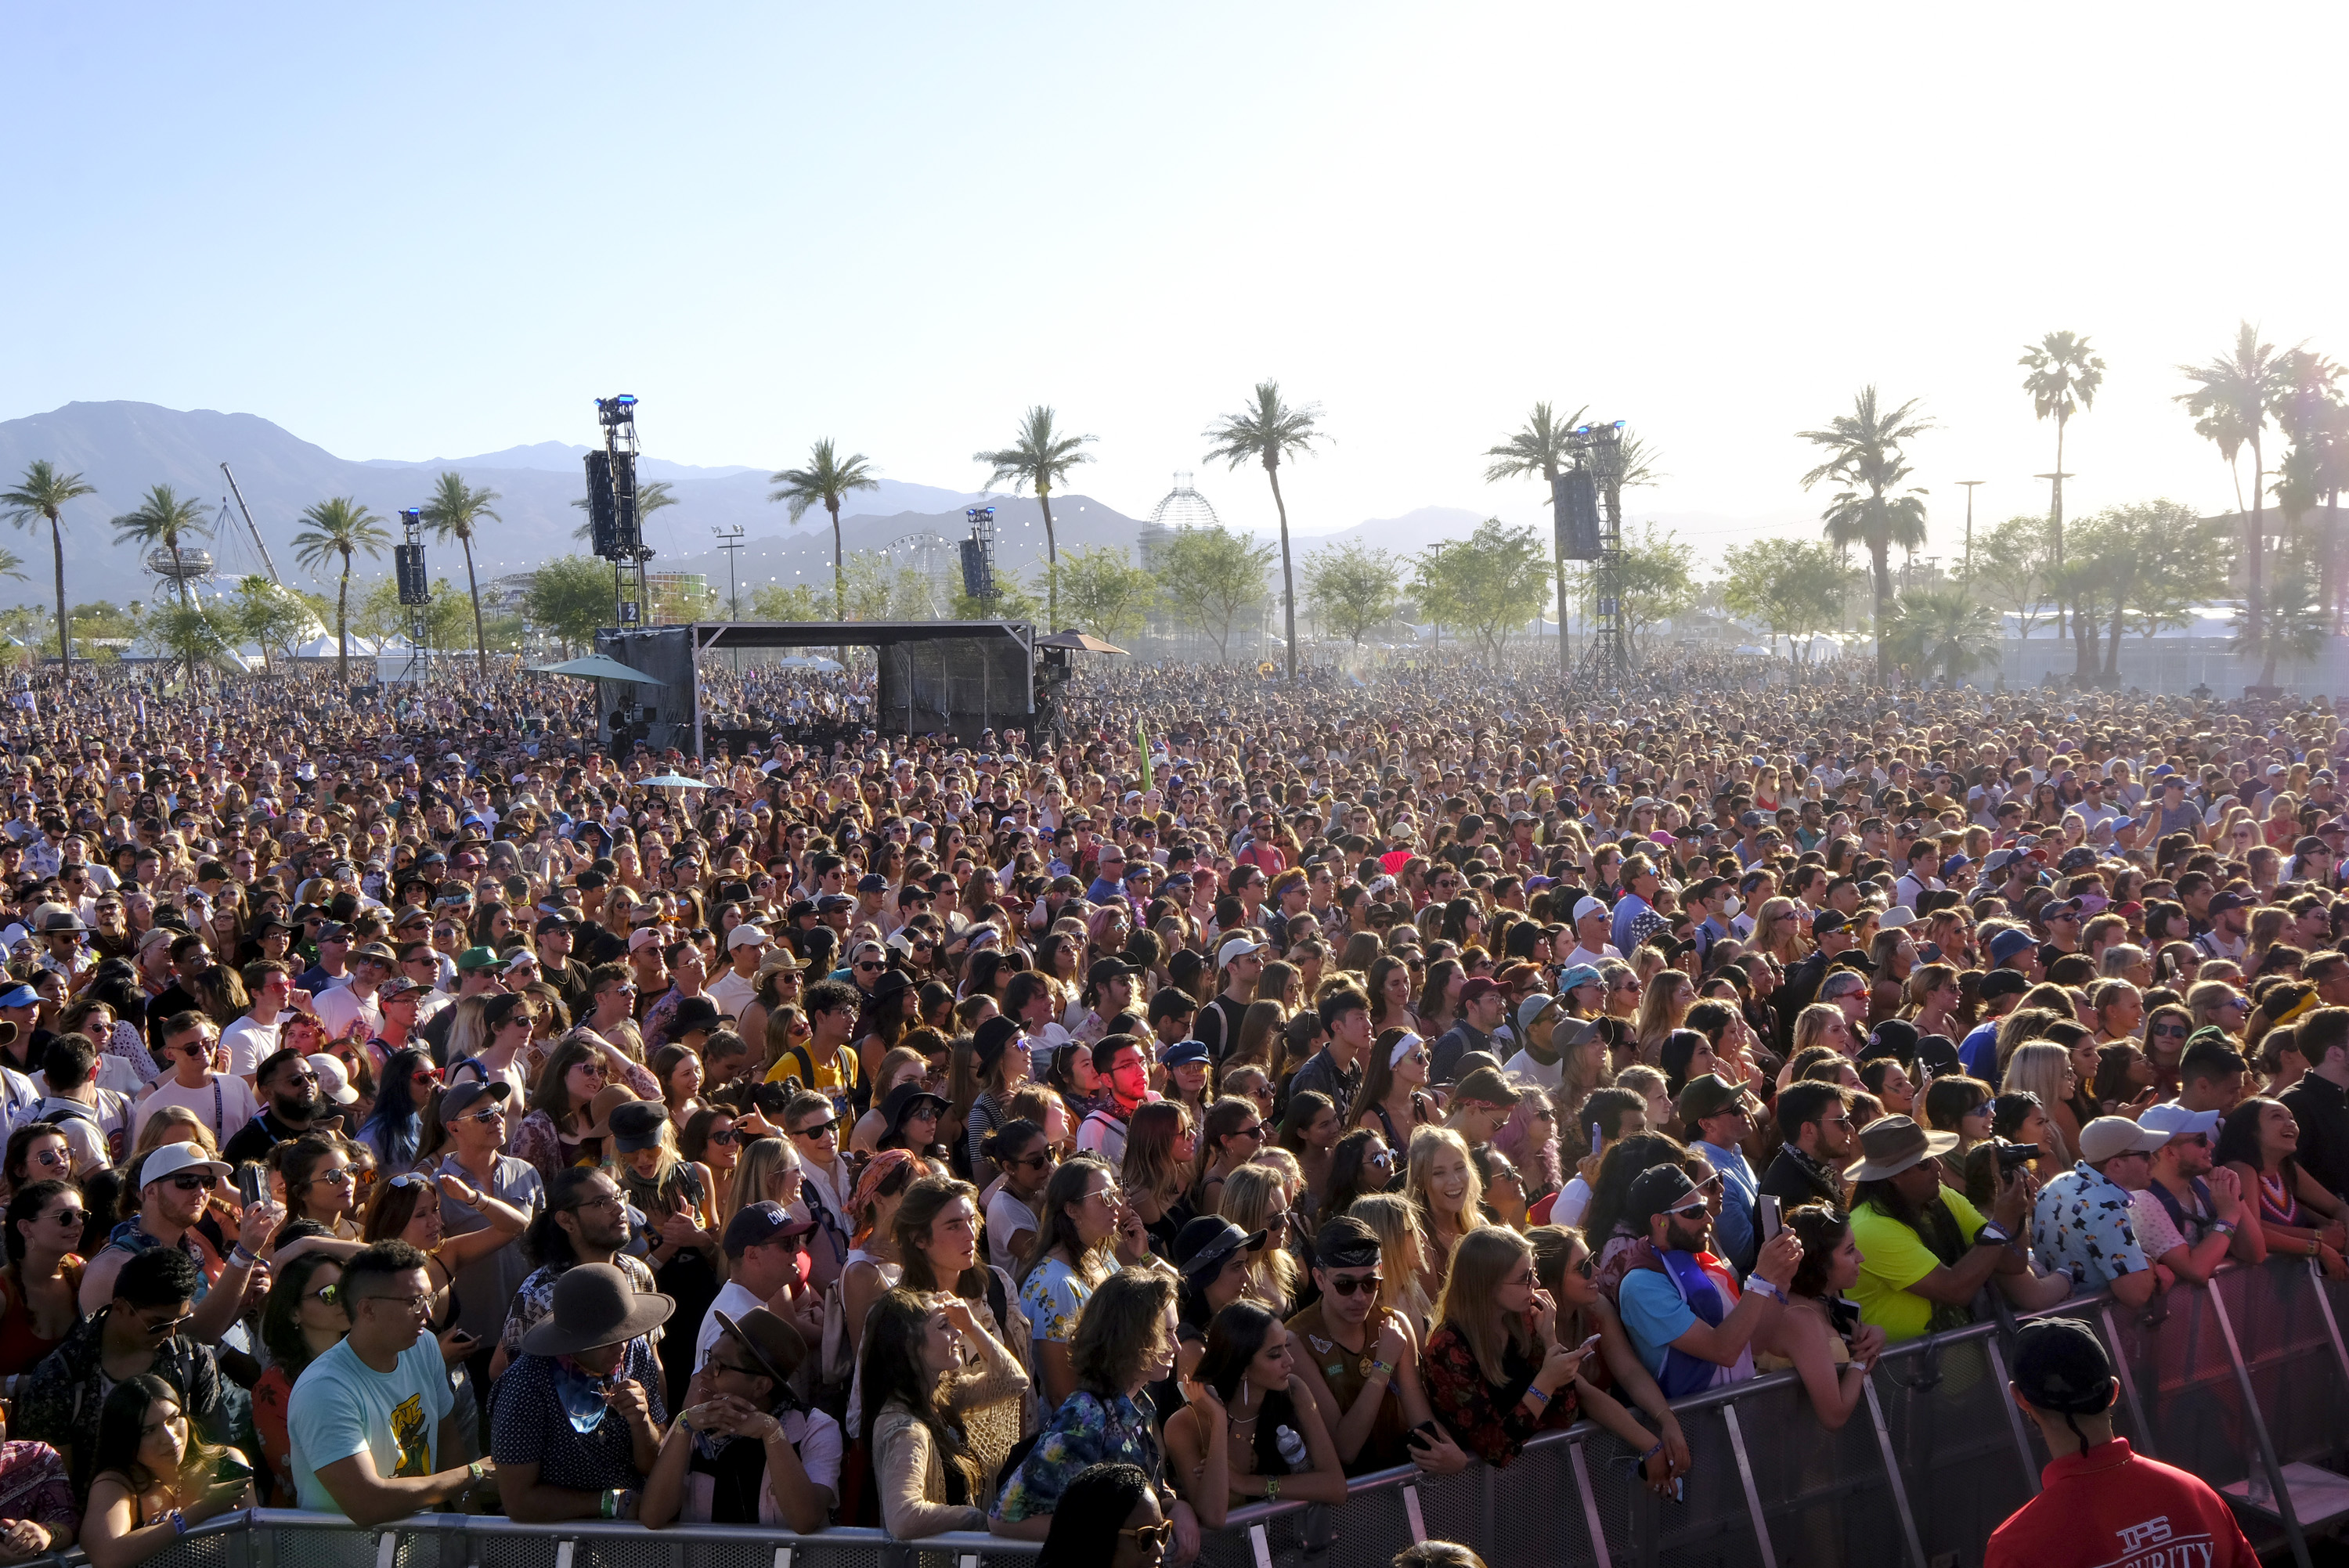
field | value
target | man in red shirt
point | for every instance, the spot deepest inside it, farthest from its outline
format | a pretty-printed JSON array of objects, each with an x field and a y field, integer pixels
[{"x": 2100, "y": 1505}]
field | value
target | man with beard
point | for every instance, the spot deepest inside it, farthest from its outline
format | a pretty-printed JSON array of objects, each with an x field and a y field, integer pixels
[
  {"x": 585, "y": 1220},
  {"x": 1689, "y": 1320},
  {"x": 1816, "y": 1142},
  {"x": 290, "y": 1107}
]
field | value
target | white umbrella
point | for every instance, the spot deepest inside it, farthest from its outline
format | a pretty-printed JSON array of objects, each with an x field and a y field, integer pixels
[{"x": 807, "y": 662}]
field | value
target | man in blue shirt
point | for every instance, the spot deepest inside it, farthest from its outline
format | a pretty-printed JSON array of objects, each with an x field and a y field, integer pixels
[
  {"x": 1720, "y": 1117},
  {"x": 1636, "y": 915},
  {"x": 2002, "y": 993},
  {"x": 1689, "y": 1321}
]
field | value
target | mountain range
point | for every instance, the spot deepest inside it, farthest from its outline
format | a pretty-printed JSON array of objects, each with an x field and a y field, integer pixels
[{"x": 125, "y": 448}]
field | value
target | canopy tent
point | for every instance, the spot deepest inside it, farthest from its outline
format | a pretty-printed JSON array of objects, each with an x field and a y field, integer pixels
[
  {"x": 598, "y": 667},
  {"x": 1077, "y": 642}
]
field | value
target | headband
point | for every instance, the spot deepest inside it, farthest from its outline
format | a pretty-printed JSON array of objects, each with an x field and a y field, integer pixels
[{"x": 1402, "y": 1048}]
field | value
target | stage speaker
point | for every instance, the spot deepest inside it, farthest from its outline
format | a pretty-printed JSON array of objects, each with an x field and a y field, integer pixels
[{"x": 1575, "y": 499}]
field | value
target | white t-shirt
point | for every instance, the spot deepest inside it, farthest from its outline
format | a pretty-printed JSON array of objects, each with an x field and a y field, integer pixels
[
  {"x": 221, "y": 1102},
  {"x": 1582, "y": 955},
  {"x": 733, "y": 1301},
  {"x": 341, "y": 1007},
  {"x": 341, "y": 1406},
  {"x": 1573, "y": 1202},
  {"x": 731, "y": 993},
  {"x": 250, "y": 1044},
  {"x": 1005, "y": 1217}
]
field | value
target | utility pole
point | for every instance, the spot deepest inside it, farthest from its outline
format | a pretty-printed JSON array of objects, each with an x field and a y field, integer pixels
[
  {"x": 730, "y": 539},
  {"x": 2056, "y": 533},
  {"x": 1969, "y": 485}
]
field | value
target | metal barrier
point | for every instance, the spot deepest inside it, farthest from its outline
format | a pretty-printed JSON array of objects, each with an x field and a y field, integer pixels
[{"x": 2241, "y": 1382}]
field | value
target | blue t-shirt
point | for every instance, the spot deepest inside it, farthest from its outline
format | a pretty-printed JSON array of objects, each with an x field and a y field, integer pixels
[
  {"x": 1978, "y": 1052},
  {"x": 1653, "y": 1314},
  {"x": 341, "y": 1406}
]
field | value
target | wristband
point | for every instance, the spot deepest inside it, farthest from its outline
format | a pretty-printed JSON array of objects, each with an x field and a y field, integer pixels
[
  {"x": 1272, "y": 1489},
  {"x": 240, "y": 1254},
  {"x": 474, "y": 1472},
  {"x": 1761, "y": 1286},
  {"x": 2223, "y": 1227},
  {"x": 608, "y": 1504},
  {"x": 178, "y": 1521},
  {"x": 1382, "y": 1369},
  {"x": 1541, "y": 1400},
  {"x": 1651, "y": 1453}
]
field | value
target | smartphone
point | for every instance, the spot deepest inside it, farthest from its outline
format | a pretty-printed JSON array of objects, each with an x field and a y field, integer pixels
[
  {"x": 1765, "y": 1214},
  {"x": 1594, "y": 1137},
  {"x": 252, "y": 1184},
  {"x": 230, "y": 1468}
]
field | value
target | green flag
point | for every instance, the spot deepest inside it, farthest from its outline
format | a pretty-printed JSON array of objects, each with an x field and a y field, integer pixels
[{"x": 1142, "y": 744}]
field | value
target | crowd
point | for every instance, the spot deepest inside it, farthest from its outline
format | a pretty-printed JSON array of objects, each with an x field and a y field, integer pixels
[{"x": 1078, "y": 1138}]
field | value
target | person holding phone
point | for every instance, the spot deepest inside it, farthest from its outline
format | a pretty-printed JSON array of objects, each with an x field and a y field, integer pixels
[{"x": 155, "y": 1478}]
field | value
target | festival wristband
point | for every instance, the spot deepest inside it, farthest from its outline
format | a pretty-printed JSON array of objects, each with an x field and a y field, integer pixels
[
  {"x": 1382, "y": 1369},
  {"x": 1761, "y": 1286}
]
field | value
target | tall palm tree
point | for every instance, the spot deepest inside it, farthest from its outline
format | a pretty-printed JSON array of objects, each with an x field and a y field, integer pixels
[
  {"x": 2229, "y": 401},
  {"x": 1540, "y": 446},
  {"x": 457, "y": 512},
  {"x": 1864, "y": 456},
  {"x": 651, "y": 496},
  {"x": 340, "y": 529},
  {"x": 164, "y": 517},
  {"x": 827, "y": 480},
  {"x": 2065, "y": 376},
  {"x": 1265, "y": 434},
  {"x": 1038, "y": 457},
  {"x": 40, "y": 494}
]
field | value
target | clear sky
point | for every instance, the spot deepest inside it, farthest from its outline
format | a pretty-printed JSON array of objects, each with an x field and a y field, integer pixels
[{"x": 432, "y": 230}]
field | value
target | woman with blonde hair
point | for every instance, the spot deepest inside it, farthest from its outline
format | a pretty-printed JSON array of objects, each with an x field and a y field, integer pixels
[
  {"x": 1669, "y": 997},
  {"x": 1402, "y": 1250},
  {"x": 1441, "y": 1178},
  {"x": 1778, "y": 931},
  {"x": 1256, "y": 1198},
  {"x": 767, "y": 1170},
  {"x": 2044, "y": 1068}
]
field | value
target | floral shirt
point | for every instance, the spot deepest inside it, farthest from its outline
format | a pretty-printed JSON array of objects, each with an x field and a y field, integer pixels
[
  {"x": 1085, "y": 1430},
  {"x": 1491, "y": 1422},
  {"x": 1052, "y": 1296},
  {"x": 535, "y": 1299},
  {"x": 2083, "y": 1219}
]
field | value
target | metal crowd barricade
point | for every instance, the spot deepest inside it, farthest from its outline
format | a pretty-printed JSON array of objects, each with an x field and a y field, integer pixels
[{"x": 2242, "y": 1382}]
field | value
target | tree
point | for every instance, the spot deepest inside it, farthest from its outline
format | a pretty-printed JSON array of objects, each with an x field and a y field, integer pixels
[
  {"x": 1354, "y": 588},
  {"x": 777, "y": 602},
  {"x": 189, "y": 633},
  {"x": 1539, "y": 447},
  {"x": 1039, "y": 458},
  {"x": 1107, "y": 594},
  {"x": 570, "y": 597},
  {"x": 457, "y": 512},
  {"x": 2065, "y": 376},
  {"x": 652, "y": 495},
  {"x": 868, "y": 579},
  {"x": 340, "y": 529},
  {"x": 1865, "y": 456},
  {"x": 827, "y": 480},
  {"x": 1793, "y": 586},
  {"x": 1265, "y": 434},
  {"x": 2229, "y": 401},
  {"x": 1940, "y": 628},
  {"x": 2315, "y": 466},
  {"x": 2149, "y": 564},
  {"x": 1013, "y": 601},
  {"x": 42, "y": 493},
  {"x": 275, "y": 619},
  {"x": 165, "y": 519},
  {"x": 1657, "y": 583},
  {"x": 2009, "y": 569},
  {"x": 1487, "y": 584},
  {"x": 1210, "y": 577}
]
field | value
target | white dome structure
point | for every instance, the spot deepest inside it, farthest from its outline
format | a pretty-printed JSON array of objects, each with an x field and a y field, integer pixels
[{"x": 1183, "y": 506}]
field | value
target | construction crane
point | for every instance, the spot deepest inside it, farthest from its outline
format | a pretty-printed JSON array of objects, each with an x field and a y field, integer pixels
[{"x": 257, "y": 542}]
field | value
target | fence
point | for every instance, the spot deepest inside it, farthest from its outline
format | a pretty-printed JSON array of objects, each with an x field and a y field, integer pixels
[{"x": 2241, "y": 1382}]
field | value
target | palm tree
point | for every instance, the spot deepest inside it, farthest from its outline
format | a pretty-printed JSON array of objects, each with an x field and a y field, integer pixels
[
  {"x": 1265, "y": 434},
  {"x": 164, "y": 518},
  {"x": 1865, "y": 458},
  {"x": 2230, "y": 402},
  {"x": 1539, "y": 448},
  {"x": 40, "y": 494},
  {"x": 2065, "y": 376},
  {"x": 1945, "y": 629},
  {"x": 828, "y": 480},
  {"x": 651, "y": 496},
  {"x": 340, "y": 529},
  {"x": 457, "y": 510},
  {"x": 1038, "y": 457}
]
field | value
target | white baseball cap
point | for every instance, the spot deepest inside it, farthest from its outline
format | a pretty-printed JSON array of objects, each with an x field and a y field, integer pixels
[
  {"x": 745, "y": 936},
  {"x": 169, "y": 1160},
  {"x": 1236, "y": 947},
  {"x": 1590, "y": 906}
]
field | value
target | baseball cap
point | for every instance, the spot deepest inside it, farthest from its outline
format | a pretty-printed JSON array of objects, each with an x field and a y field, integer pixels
[
  {"x": 461, "y": 1097},
  {"x": 2003, "y": 983},
  {"x": 2060, "y": 1366},
  {"x": 1479, "y": 988},
  {"x": 1587, "y": 907},
  {"x": 1236, "y": 947},
  {"x": 1654, "y": 1190},
  {"x": 745, "y": 935},
  {"x": 2226, "y": 902},
  {"x": 644, "y": 937},
  {"x": 2174, "y": 1120},
  {"x": 637, "y": 1125},
  {"x": 2107, "y": 1136},
  {"x": 1183, "y": 1052},
  {"x": 170, "y": 1158},
  {"x": 334, "y": 1080},
  {"x": 1708, "y": 1094},
  {"x": 478, "y": 958},
  {"x": 754, "y": 1224}
]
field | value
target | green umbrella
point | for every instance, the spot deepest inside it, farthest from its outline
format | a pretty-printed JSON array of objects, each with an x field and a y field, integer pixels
[{"x": 598, "y": 667}]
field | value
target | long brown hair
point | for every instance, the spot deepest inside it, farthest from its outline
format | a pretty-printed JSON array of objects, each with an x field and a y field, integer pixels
[{"x": 1480, "y": 1263}]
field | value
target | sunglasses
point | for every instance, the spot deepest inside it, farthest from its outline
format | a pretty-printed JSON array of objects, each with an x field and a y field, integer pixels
[
  {"x": 1040, "y": 1160},
  {"x": 188, "y": 1181},
  {"x": 1356, "y": 1285},
  {"x": 74, "y": 1217},
  {"x": 816, "y": 1128},
  {"x": 1148, "y": 1535},
  {"x": 1689, "y": 1211}
]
